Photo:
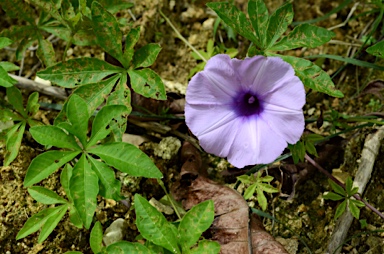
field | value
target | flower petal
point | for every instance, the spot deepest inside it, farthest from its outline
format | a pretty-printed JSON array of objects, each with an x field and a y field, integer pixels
[
  {"x": 255, "y": 143},
  {"x": 287, "y": 123},
  {"x": 216, "y": 84}
]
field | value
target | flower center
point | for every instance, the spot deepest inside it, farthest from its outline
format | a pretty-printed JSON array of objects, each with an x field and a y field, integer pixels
[{"x": 247, "y": 104}]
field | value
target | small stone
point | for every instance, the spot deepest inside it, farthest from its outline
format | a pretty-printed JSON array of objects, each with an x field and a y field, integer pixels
[
  {"x": 161, "y": 207},
  {"x": 115, "y": 232}
]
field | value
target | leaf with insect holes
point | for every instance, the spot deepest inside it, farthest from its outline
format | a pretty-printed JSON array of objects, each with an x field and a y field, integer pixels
[
  {"x": 18, "y": 9},
  {"x": 377, "y": 49},
  {"x": 153, "y": 226},
  {"x": 312, "y": 76},
  {"x": 258, "y": 14},
  {"x": 83, "y": 37},
  {"x": 108, "y": 34},
  {"x": 147, "y": 83},
  {"x": 100, "y": 125},
  {"x": 278, "y": 23},
  {"x": 46, "y": 53},
  {"x": 51, "y": 7},
  {"x": 109, "y": 186},
  {"x": 304, "y": 35},
  {"x": 146, "y": 55},
  {"x": 96, "y": 238},
  {"x": 233, "y": 17},
  {"x": 45, "y": 196},
  {"x": 194, "y": 223},
  {"x": 53, "y": 136},
  {"x": 130, "y": 42},
  {"x": 84, "y": 188},
  {"x": 127, "y": 158},
  {"x": 13, "y": 142},
  {"x": 45, "y": 164},
  {"x": 78, "y": 71}
]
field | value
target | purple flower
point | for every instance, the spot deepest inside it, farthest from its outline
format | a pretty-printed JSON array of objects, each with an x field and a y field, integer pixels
[{"x": 245, "y": 110}]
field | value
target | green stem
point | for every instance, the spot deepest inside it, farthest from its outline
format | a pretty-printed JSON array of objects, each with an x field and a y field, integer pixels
[
  {"x": 169, "y": 198},
  {"x": 182, "y": 38}
]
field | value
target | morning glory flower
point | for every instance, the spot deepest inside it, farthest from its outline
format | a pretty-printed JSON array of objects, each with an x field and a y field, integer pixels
[{"x": 246, "y": 110}]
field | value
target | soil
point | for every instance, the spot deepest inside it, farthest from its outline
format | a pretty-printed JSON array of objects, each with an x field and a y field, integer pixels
[{"x": 305, "y": 218}]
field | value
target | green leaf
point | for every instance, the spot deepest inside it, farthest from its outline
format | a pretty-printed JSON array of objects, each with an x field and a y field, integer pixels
[
  {"x": 206, "y": 247},
  {"x": 84, "y": 188},
  {"x": 298, "y": 151},
  {"x": 304, "y": 35},
  {"x": 127, "y": 158},
  {"x": 130, "y": 42},
  {"x": 258, "y": 14},
  {"x": 52, "y": 222},
  {"x": 354, "y": 207},
  {"x": 74, "y": 217},
  {"x": 268, "y": 188},
  {"x": 146, "y": 55},
  {"x": 18, "y": 9},
  {"x": 266, "y": 179},
  {"x": 77, "y": 114},
  {"x": 121, "y": 95},
  {"x": 4, "y": 42},
  {"x": 337, "y": 188},
  {"x": 123, "y": 247},
  {"x": 95, "y": 93},
  {"x": 33, "y": 103},
  {"x": 147, "y": 83},
  {"x": 153, "y": 226},
  {"x": 8, "y": 66},
  {"x": 108, "y": 34},
  {"x": 65, "y": 178},
  {"x": 13, "y": 142},
  {"x": 81, "y": 38},
  {"x": 16, "y": 99},
  {"x": 37, "y": 221},
  {"x": 340, "y": 209},
  {"x": 78, "y": 71},
  {"x": 310, "y": 148},
  {"x": 25, "y": 43},
  {"x": 109, "y": 186},
  {"x": 114, "y": 6},
  {"x": 100, "y": 125},
  {"x": 96, "y": 238},
  {"x": 45, "y": 164},
  {"x": 46, "y": 53},
  {"x": 195, "y": 222},
  {"x": 233, "y": 17},
  {"x": 45, "y": 196},
  {"x": 377, "y": 49},
  {"x": 245, "y": 179},
  {"x": 261, "y": 199},
  {"x": 333, "y": 196},
  {"x": 49, "y": 6},
  {"x": 349, "y": 186},
  {"x": 54, "y": 136},
  {"x": 313, "y": 76},
  {"x": 5, "y": 79},
  {"x": 248, "y": 193},
  {"x": 278, "y": 23}
]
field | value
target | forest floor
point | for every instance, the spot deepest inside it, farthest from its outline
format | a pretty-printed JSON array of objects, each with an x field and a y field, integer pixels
[{"x": 305, "y": 218}]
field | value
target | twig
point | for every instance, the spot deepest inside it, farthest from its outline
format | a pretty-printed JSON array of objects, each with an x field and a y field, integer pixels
[{"x": 41, "y": 88}]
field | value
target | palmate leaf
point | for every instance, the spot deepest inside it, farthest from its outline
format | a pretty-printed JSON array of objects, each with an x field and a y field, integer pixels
[
  {"x": 340, "y": 209},
  {"x": 78, "y": 71},
  {"x": 127, "y": 158},
  {"x": 13, "y": 142},
  {"x": 16, "y": 99},
  {"x": 195, "y": 222},
  {"x": 312, "y": 75},
  {"x": 83, "y": 37},
  {"x": 130, "y": 42},
  {"x": 278, "y": 23},
  {"x": 54, "y": 136},
  {"x": 109, "y": 36},
  {"x": 46, "y": 53},
  {"x": 261, "y": 199},
  {"x": 84, "y": 188},
  {"x": 45, "y": 164},
  {"x": 52, "y": 222},
  {"x": 5, "y": 79},
  {"x": 206, "y": 247},
  {"x": 354, "y": 207},
  {"x": 258, "y": 14},
  {"x": 333, "y": 196},
  {"x": 18, "y": 9},
  {"x": 233, "y": 17},
  {"x": 147, "y": 83},
  {"x": 153, "y": 226},
  {"x": 250, "y": 191},
  {"x": 304, "y": 35}
]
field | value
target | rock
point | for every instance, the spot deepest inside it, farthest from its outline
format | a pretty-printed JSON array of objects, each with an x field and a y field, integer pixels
[
  {"x": 167, "y": 148},
  {"x": 115, "y": 232}
]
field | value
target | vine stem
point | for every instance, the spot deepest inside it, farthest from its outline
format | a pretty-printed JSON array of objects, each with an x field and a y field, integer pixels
[
  {"x": 170, "y": 199},
  {"x": 181, "y": 37},
  {"x": 330, "y": 176}
]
